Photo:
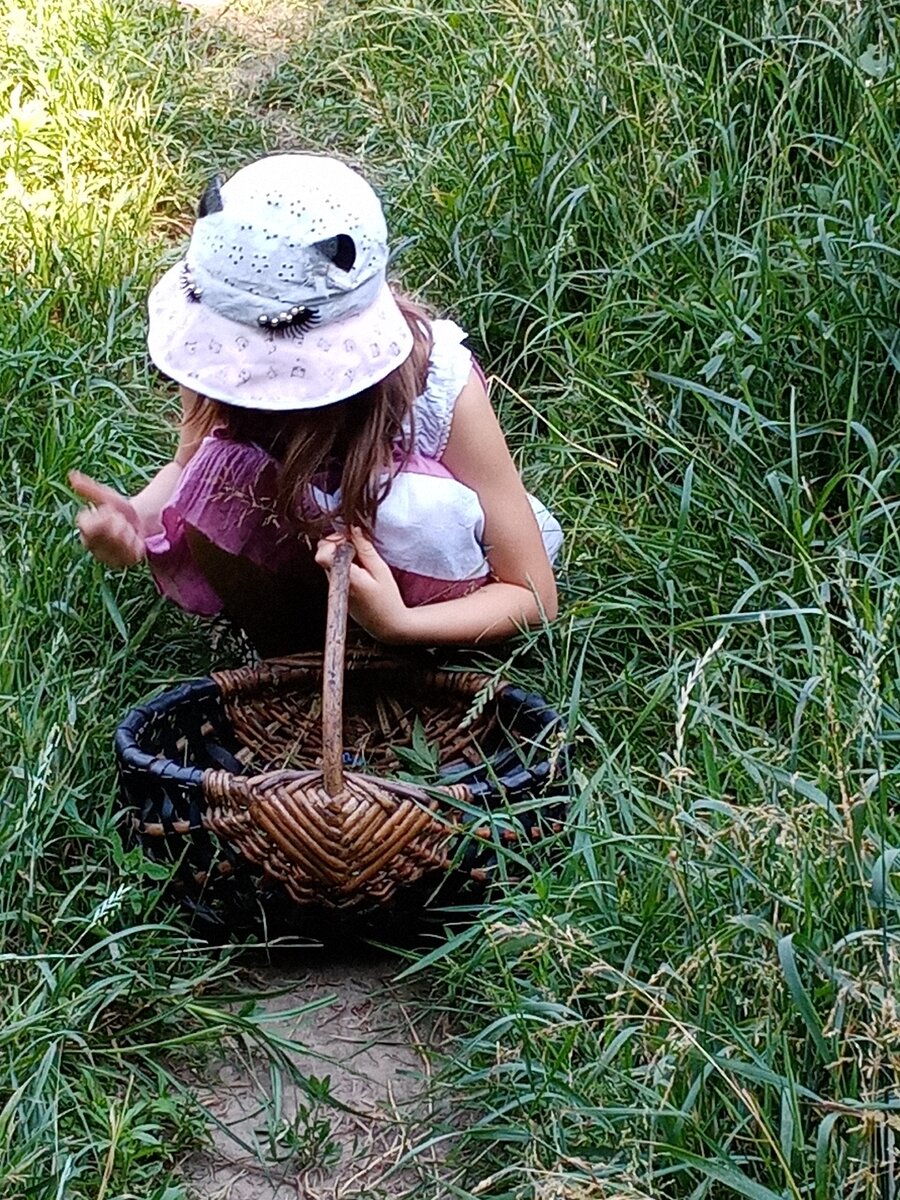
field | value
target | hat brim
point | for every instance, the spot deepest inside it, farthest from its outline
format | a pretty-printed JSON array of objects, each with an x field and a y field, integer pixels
[{"x": 274, "y": 371}]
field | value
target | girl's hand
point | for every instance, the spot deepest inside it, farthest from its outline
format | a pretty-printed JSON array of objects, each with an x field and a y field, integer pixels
[
  {"x": 111, "y": 528},
  {"x": 375, "y": 602}
]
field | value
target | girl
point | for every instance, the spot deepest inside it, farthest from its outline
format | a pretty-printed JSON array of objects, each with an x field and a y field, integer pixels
[{"x": 319, "y": 407}]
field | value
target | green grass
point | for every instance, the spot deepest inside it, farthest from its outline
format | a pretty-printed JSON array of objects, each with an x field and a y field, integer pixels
[
  {"x": 672, "y": 227},
  {"x": 105, "y": 1002}
]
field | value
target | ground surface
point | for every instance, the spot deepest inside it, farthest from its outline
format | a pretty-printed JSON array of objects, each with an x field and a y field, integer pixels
[{"x": 368, "y": 1044}]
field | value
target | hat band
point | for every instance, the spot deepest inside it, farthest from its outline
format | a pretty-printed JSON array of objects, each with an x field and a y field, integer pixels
[{"x": 249, "y": 308}]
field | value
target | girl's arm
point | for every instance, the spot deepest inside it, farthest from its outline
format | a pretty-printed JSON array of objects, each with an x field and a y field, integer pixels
[
  {"x": 478, "y": 456},
  {"x": 524, "y": 590},
  {"x": 115, "y": 527}
]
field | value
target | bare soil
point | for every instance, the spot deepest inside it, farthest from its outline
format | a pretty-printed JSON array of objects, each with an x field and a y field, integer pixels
[{"x": 368, "y": 1041}]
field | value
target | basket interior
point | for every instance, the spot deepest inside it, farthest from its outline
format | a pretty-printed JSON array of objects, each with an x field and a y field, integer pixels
[
  {"x": 395, "y": 720},
  {"x": 429, "y": 726},
  {"x": 399, "y": 719},
  {"x": 389, "y": 724}
]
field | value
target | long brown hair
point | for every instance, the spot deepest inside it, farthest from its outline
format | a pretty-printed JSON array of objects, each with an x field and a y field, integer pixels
[{"x": 355, "y": 440}]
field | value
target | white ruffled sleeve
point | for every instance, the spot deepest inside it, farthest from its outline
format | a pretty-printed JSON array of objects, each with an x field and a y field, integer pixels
[{"x": 448, "y": 373}]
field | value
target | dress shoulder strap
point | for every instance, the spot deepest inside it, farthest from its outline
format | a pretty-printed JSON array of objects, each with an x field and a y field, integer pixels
[{"x": 448, "y": 372}]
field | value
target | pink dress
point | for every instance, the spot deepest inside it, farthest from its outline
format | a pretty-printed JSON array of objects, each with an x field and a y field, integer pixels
[{"x": 429, "y": 528}]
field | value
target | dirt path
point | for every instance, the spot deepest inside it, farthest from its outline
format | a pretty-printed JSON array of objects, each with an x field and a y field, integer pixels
[
  {"x": 366, "y": 1046},
  {"x": 261, "y": 34}
]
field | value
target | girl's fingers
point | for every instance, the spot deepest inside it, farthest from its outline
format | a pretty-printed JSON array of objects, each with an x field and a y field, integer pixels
[
  {"x": 371, "y": 580},
  {"x": 360, "y": 579},
  {"x": 367, "y": 555},
  {"x": 325, "y": 553},
  {"x": 91, "y": 524},
  {"x": 102, "y": 522},
  {"x": 98, "y": 493},
  {"x": 326, "y": 549},
  {"x": 365, "y": 551},
  {"x": 110, "y": 537}
]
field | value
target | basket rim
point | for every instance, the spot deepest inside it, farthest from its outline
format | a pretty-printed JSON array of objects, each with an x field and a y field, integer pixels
[{"x": 132, "y": 759}]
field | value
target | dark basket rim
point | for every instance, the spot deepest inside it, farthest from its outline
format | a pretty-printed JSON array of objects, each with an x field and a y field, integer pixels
[{"x": 544, "y": 720}]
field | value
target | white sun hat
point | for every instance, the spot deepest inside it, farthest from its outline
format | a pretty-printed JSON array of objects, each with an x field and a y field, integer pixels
[{"x": 281, "y": 301}]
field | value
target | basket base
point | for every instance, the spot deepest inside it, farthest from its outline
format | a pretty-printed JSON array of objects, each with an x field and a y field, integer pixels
[{"x": 432, "y": 903}]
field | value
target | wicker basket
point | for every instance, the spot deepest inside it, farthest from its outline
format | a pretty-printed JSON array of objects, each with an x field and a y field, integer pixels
[{"x": 267, "y": 822}]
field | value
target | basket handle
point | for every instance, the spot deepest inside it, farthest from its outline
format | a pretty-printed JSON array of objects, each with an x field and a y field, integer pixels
[{"x": 333, "y": 669}]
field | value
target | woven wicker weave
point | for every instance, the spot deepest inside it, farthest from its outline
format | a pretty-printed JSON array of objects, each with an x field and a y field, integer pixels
[{"x": 231, "y": 778}]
